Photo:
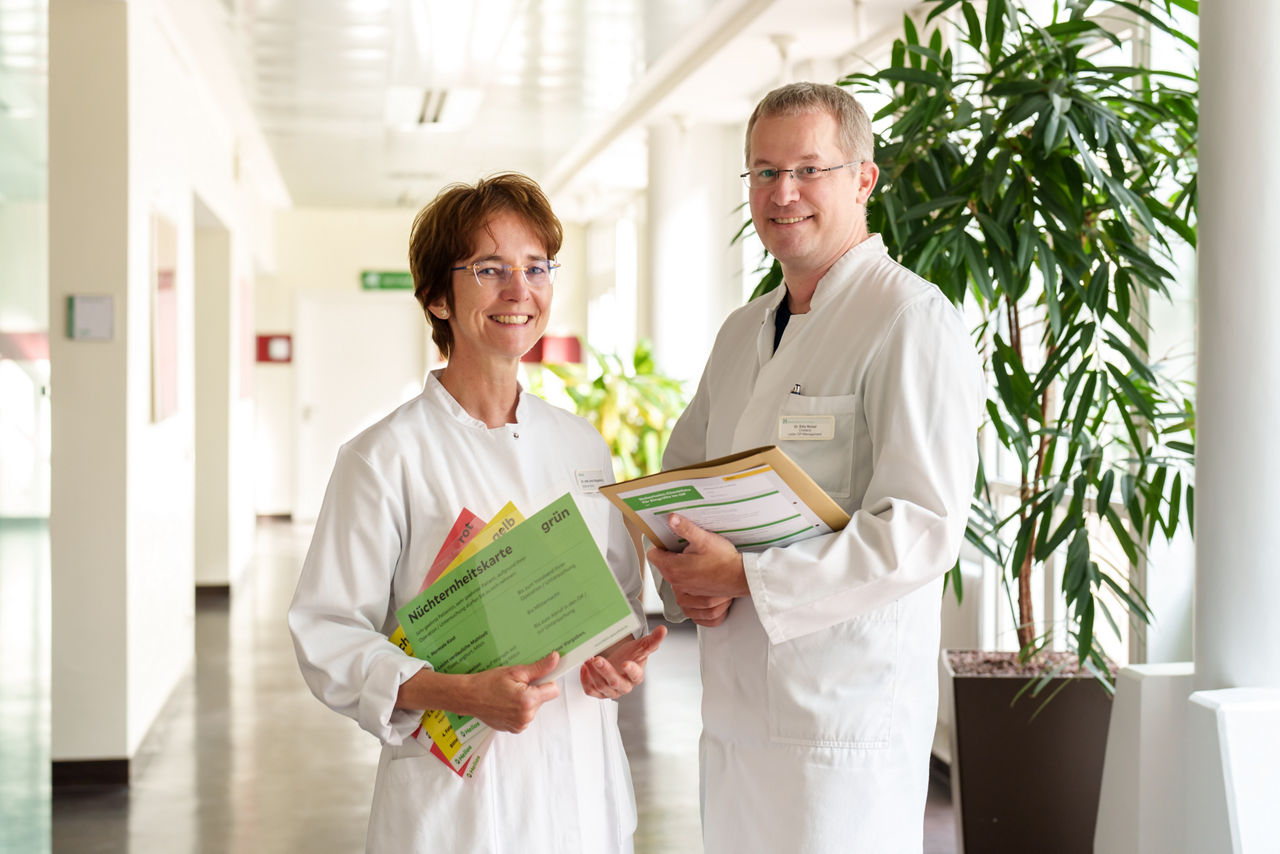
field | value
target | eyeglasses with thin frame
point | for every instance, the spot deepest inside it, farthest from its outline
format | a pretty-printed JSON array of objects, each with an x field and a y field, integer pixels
[
  {"x": 767, "y": 177},
  {"x": 490, "y": 274}
]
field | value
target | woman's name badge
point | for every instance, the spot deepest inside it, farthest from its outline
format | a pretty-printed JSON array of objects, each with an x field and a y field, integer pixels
[
  {"x": 589, "y": 480},
  {"x": 807, "y": 427}
]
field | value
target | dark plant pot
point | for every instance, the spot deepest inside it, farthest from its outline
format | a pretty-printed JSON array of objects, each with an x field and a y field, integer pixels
[{"x": 1021, "y": 783}]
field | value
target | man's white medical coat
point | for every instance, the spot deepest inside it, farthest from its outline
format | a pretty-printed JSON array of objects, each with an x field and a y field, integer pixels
[{"x": 820, "y": 690}]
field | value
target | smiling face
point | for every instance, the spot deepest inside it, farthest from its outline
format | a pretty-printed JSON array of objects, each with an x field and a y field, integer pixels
[
  {"x": 494, "y": 326},
  {"x": 807, "y": 226}
]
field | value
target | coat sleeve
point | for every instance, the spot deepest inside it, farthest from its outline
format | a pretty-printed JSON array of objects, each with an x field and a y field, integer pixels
[
  {"x": 342, "y": 610},
  {"x": 922, "y": 399},
  {"x": 686, "y": 445}
]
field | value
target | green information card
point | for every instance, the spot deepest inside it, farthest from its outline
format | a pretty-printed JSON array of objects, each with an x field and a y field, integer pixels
[
  {"x": 675, "y": 495},
  {"x": 541, "y": 586}
]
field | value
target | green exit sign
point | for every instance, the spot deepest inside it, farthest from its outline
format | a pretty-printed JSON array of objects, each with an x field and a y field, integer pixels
[{"x": 386, "y": 280}]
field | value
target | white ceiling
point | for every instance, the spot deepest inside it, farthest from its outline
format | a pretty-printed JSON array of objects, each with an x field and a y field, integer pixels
[{"x": 348, "y": 91}]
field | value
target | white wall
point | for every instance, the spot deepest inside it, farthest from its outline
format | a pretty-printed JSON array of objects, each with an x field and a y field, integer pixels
[
  {"x": 694, "y": 273},
  {"x": 122, "y": 520},
  {"x": 569, "y": 304},
  {"x": 224, "y": 516},
  {"x": 88, "y": 251},
  {"x": 326, "y": 249},
  {"x": 273, "y": 405},
  {"x": 316, "y": 249}
]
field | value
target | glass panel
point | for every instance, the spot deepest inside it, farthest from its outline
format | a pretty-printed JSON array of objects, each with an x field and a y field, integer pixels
[{"x": 24, "y": 277}]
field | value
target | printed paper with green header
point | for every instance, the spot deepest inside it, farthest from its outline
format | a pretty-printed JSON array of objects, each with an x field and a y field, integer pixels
[
  {"x": 542, "y": 586},
  {"x": 758, "y": 499}
]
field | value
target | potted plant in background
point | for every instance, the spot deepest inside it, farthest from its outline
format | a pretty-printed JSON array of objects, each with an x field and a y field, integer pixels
[
  {"x": 1047, "y": 188},
  {"x": 1026, "y": 173},
  {"x": 631, "y": 403}
]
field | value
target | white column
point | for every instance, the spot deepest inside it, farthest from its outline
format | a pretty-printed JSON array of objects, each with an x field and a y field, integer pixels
[
  {"x": 1226, "y": 741},
  {"x": 1237, "y": 634},
  {"x": 216, "y": 364},
  {"x": 693, "y": 269},
  {"x": 89, "y": 254},
  {"x": 1231, "y": 743}
]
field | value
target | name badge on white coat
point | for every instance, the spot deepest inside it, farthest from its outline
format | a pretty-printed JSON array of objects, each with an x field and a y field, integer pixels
[
  {"x": 807, "y": 427},
  {"x": 589, "y": 480}
]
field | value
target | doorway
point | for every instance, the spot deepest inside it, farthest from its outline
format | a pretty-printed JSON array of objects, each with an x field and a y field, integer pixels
[{"x": 356, "y": 357}]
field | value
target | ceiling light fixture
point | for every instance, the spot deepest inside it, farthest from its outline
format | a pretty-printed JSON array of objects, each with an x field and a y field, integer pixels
[{"x": 442, "y": 58}]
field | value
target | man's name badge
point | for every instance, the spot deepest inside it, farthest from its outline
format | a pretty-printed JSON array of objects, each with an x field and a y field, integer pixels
[
  {"x": 807, "y": 427},
  {"x": 589, "y": 480}
]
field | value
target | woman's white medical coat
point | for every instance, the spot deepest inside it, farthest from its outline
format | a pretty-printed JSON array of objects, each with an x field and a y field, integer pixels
[
  {"x": 396, "y": 489},
  {"x": 820, "y": 690}
]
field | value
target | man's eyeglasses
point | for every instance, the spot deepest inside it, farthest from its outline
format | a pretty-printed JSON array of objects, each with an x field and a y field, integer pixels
[
  {"x": 489, "y": 274},
  {"x": 757, "y": 178}
]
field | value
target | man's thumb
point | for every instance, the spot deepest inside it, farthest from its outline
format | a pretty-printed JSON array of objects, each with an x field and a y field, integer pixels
[{"x": 687, "y": 531}]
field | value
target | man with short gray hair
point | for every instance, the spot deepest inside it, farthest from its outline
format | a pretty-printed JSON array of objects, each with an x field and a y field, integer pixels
[{"x": 819, "y": 659}]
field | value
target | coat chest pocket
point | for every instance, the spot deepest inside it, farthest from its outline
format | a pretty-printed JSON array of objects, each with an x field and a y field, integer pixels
[
  {"x": 817, "y": 432},
  {"x": 836, "y": 687}
]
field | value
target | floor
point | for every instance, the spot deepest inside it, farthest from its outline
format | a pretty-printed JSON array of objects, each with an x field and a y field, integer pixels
[{"x": 243, "y": 759}]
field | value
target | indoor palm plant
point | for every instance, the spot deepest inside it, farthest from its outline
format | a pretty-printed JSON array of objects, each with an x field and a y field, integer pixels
[
  {"x": 1028, "y": 171},
  {"x": 1048, "y": 188}
]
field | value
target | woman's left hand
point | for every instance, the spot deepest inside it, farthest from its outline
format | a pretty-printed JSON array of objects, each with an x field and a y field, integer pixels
[{"x": 620, "y": 667}]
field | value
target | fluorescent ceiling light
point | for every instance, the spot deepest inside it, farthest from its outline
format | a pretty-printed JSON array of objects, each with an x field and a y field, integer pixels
[
  {"x": 412, "y": 108},
  {"x": 443, "y": 56}
]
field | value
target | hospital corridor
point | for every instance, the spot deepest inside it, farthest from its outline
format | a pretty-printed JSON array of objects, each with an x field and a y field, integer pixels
[
  {"x": 357, "y": 269},
  {"x": 243, "y": 760}
]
